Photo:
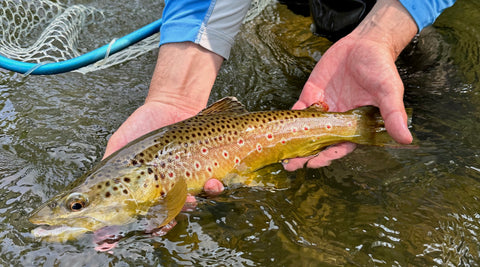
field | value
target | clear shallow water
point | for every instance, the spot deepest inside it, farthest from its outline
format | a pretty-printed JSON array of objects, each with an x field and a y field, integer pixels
[{"x": 375, "y": 206}]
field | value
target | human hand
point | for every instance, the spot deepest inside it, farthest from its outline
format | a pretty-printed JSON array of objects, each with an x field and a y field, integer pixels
[{"x": 356, "y": 71}]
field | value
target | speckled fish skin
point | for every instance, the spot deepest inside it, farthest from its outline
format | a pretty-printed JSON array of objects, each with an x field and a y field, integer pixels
[{"x": 223, "y": 141}]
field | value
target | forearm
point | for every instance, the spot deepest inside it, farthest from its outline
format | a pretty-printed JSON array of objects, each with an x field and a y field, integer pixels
[
  {"x": 184, "y": 76},
  {"x": 195, "y": 38},
  {"x": 388, "y": 23}
]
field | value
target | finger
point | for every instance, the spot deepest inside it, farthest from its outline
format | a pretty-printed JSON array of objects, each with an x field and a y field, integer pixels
[
  {"x": 397, "y": 126},
  {"x": 311, "y": 93},
  {"x": 393, "y": 112},
  {"x": 295, "y": 164},
  {"x": 190, "y": 203},
  {"x": 213, "y": 187},
  {"x": 325, "y": 157}
]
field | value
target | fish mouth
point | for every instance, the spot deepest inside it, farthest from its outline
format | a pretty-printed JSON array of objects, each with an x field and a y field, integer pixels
[
  {"x": 58, "y": 233},
  {"x": 65, "y": 229}
]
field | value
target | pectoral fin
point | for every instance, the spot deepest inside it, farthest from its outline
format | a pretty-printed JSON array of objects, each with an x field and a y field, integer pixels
[{"x": 167, "y": 208}]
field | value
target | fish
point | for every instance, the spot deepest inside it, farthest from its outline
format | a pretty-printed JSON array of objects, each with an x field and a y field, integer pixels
[{"x": 152, "y": 175}]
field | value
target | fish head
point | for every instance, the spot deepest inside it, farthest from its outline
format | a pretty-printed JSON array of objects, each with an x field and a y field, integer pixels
[{"x": 105, "y": 197}]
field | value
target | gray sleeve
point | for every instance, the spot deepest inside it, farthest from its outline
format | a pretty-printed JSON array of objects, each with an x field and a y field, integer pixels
[{"x": 221, "y": 24}]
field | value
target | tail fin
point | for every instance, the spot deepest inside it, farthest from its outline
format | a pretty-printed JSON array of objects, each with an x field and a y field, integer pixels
[{"x": 371, "y": 128}]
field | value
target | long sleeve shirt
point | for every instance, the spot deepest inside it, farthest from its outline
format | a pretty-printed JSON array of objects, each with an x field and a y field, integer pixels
[{"x": 213, "y": 24}]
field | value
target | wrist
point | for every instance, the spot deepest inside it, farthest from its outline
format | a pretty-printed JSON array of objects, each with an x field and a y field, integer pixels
[
  {"x": 184, "y": 76},
  {"x": 388, "y": 24}
]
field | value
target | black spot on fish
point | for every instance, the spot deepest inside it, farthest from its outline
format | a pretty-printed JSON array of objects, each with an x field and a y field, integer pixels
[
  {"x": 156, "y": 177},
  {"x": 142, "y": 173},
  {"x": 162, "y": 194},
  {"x": 142, "y": 161},
  {"x": 115, "y": 188},
  {"x": 125, "y": 191},
  {"x": 150, "y": 171},
  {"x": 126, "y": 180},
  {"x": 107, "y": 184},
  {"x": 134, "y": 162},
  {"x": 107, "y": 194},
  {"x": 99, "y": 186},
  {"x": 162, "y": 175}
]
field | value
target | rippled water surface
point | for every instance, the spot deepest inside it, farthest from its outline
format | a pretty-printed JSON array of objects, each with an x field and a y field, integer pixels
[{"x": 374, "y": 207}]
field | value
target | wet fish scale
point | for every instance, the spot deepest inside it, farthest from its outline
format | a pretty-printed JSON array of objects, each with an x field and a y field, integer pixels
[
  {"x": 203, "y": 148},
  {"x": 224, "y": 141}
]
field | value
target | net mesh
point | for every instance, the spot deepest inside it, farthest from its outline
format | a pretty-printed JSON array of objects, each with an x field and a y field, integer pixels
[{"x": 43, "y": 31}]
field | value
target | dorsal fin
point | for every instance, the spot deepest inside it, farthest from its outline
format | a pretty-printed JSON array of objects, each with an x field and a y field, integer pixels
[{"x": 225, "y": 105}]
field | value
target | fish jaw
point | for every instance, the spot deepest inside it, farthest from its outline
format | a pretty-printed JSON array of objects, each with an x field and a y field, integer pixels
[
  {"x": 58, "y": 233},
  {"x": 58, "y": 222}
]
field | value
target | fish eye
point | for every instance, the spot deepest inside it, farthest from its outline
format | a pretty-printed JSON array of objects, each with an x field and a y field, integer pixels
[
  {"x": 76, "y": 202},
  {"x": 77, "y": 206}
]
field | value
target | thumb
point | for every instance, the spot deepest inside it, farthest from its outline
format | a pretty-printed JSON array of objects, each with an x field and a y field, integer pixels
[
  {"x": 311, "y": 93},
  {"x": 396, "y": 121}
]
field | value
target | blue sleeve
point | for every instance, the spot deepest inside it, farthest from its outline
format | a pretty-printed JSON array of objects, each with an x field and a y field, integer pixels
[
  {"x": 212, "y": 24},
  {"x": 425, "y": 12},
  {"x": 182, "y": 20}
]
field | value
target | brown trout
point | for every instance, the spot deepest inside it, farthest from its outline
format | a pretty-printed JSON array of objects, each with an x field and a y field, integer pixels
[{"x": 152, "y": 175}]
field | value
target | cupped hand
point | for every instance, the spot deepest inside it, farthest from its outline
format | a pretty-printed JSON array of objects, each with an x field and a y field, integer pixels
[{"x": 354, "y": 73}]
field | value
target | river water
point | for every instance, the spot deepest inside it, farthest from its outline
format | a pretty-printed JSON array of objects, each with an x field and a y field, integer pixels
[{"x": 377, "y": 206}]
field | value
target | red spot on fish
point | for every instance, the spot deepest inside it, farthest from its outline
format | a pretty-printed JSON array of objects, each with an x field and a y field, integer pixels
[
  {"x": 306, "y": 128},
  {"x": 170, "y": 174},
  {"x": 237, "y": 160},
  {"x": 269, "y": 136},
  {"x": 259, "y": 148},
  {"x": 209, "y": 169},
  {"x": 204, "y": 150},
  {"x": 284, "y": 141},
  {"x": 240, "y": 142},
  {"x": 329, "y": 126},
  {"x": 225, "y": 154},
  {"x": 187, "y": 173},
  {"x": 294, "y": 130},
  {"x": 215, "y": 164},
  {"x": 177, "y": 157}
]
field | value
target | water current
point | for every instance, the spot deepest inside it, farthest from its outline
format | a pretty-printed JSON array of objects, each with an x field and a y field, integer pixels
[{"x": 376, "y": 206}]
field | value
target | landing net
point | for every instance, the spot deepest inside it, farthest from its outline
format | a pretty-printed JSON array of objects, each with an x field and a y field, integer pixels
[{"x": 43, "y": 31}]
